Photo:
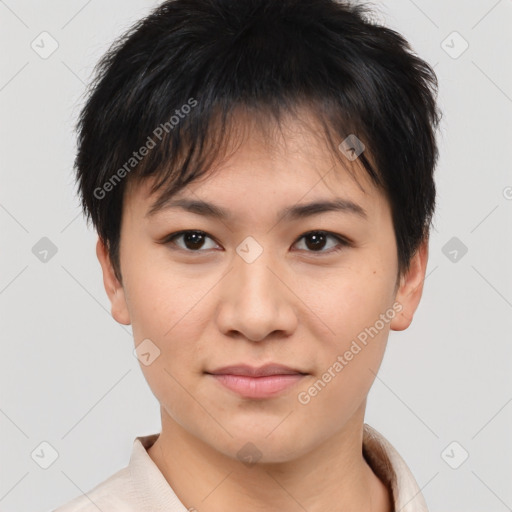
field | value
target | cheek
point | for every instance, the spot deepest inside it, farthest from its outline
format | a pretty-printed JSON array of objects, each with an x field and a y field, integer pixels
[
  {"x": 167, "y": 308},
  {"x": 358, "y": 312},
  {"x": 173, "y": 334},
  {"x": 159, "y": 301},
  {"x": 352, "y": 300},
  {"x": 346, "y": 370}
]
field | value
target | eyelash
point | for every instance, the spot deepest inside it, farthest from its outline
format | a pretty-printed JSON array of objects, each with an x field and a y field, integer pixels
[{"x": 342, "y": 242}]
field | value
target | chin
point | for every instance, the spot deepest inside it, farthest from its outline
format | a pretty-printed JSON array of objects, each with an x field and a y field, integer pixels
[{"x": 262, "y": 445}]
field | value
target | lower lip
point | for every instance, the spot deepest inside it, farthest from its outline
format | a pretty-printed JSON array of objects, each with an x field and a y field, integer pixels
[{"x": 258, "y": 387}]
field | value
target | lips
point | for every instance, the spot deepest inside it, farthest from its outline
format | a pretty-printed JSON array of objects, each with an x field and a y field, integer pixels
[
  {"x": 252, "y": 382},
  {"x": 251, "y": 371}
]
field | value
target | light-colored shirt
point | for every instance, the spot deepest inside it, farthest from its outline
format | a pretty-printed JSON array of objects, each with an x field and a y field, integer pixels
[{"x": 141, "y": 487}]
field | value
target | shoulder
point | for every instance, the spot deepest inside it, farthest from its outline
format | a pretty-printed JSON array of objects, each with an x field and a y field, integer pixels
[
  {"x": 113, "y": 494},
  {"x": 387, "y": 463},
  {"x": 131, "y": 489}
]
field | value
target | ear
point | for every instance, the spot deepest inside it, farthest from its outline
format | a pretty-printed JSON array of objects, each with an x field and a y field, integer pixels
[
  {"x": 113, "y": 287},
  {"x": 411, "y": 288}
]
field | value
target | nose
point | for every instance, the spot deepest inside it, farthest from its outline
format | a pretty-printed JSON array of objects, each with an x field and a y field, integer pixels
[{"x": 256, "y": 300}]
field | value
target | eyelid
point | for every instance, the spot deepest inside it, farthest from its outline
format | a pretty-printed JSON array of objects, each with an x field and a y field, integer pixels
[
  {"x": 168, "y": 239},
  {"x": 343, "y": 242}
]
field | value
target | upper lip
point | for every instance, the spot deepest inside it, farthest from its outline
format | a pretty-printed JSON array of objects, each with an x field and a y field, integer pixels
[{"x": 251, "y": 371}]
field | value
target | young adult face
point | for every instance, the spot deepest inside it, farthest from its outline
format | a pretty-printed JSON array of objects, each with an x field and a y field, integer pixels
[{"x": 256, "y": 290}]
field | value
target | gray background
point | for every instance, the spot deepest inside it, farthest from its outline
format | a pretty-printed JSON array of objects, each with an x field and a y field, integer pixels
[{"x": 67, "y": 372}]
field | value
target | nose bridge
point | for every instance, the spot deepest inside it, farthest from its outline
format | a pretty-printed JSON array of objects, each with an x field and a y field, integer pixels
[
  {"x": 256, "y": 302},
  {"x": 252, "y": 268},
  {"x": 255, "y": 279}
]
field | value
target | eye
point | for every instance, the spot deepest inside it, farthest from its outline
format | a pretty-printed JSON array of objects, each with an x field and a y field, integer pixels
[
  {"x": 316, "y": 241},
  {"x": 192, "y": 240}
]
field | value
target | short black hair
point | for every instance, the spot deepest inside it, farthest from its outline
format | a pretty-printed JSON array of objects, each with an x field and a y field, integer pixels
[{"x": 166, "y": 90}]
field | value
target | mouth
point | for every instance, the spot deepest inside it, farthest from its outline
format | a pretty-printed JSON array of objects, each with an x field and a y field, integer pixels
[
  {"x": 252, "y": 371},
  {"x": 251, "y": 382}
]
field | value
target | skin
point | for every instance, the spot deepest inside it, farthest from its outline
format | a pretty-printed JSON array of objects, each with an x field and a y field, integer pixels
[{"x": 295, "y": 304}]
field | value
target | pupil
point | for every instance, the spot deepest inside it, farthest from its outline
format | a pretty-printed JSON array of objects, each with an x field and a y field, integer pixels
[
  {"x": 318, "y": 240},
  {"x": 194, "y": 239}
]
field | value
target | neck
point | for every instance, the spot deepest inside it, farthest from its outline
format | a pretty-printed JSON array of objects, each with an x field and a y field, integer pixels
[{"x": 331, "y": 477}]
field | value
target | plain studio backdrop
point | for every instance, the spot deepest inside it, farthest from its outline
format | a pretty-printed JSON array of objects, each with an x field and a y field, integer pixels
[{"x": 71, "y": 388}]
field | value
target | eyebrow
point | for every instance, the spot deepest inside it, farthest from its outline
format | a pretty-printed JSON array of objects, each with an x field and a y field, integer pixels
[{"x": 299, "y": 211}]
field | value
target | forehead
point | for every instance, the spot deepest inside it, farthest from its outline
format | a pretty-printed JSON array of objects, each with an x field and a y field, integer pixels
[{"x": 292, "y": 162}]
